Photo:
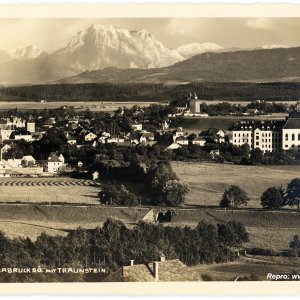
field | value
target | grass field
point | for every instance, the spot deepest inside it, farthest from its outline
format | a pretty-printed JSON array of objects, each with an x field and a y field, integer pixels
[
  {"x": 60, "y": 189},
  {"x": 208, "y": 181},
  {"x": 80, "y": 105}
]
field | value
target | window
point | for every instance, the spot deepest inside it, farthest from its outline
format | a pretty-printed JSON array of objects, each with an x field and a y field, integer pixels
[
  {"x": 298, "y": 136},
  {"x": 293, "y": 137},
  {"x": 286, "y": 137},
  {"x": 257, "y": 143}
]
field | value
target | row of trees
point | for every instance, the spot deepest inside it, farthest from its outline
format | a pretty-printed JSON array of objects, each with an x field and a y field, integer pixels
[
  {"x": 158, "y": 181},
  {"x": 272, "y": 198},
  {"x": 113, "y": 245}
]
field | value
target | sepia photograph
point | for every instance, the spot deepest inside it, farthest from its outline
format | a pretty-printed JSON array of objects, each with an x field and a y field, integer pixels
[{"x": 159, "y": 149}]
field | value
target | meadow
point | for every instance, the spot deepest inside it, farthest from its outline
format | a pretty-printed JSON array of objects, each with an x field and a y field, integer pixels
[
  {"x": 47, "y": 190},
  {"x": 208, "y": 181}
]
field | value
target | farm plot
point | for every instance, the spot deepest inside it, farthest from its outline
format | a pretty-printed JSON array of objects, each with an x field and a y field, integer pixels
[
  {"x": 47, "y": 190},
  {"x": 208, "y": 181}
]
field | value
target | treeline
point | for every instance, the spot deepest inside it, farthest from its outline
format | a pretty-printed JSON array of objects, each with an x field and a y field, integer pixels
[
  {"x": 153, "y": 92},
  {"x": 272, "y": 198},
  {"x": 114, "y": 245}
]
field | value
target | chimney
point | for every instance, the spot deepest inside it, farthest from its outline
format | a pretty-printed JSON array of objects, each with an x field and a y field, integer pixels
[
  {"x": 131, "y": 262},
  {"x": 155, "y": 270}
]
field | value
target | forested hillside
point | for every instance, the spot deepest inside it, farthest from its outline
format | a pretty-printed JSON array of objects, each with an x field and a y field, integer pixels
[{"x": 153, "y": 92}]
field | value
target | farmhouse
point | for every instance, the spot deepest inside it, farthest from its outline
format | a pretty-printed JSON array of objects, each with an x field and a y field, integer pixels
[{"x": 162, "y": 270}]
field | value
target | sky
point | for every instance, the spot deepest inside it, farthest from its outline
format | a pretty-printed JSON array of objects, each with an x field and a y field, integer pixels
[{"x": 53, "y": 34}]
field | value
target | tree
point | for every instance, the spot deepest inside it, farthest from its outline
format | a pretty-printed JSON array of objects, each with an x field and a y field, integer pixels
[
  {"x": 233, "y": 197},
  {"x": 232, "y": 235},
  {"x": 273, "y": 198},
  {"x": 174, "y": 192},
  {"x": 256, "y": 156},
  {"x": 293, "y": 193}
]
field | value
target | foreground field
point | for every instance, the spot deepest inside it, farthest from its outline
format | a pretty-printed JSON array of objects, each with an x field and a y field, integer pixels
[
  {"x": 60, "y": 189},
  {"x": 267, "y": 229},
  {"x": 80, "y": 105},
  {"x": 208, "y": 181}
]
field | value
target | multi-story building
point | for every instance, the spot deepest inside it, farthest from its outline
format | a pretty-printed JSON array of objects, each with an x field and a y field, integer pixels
[
  {"x": 265, "y": 135},
  {"x": 291, "y": 131}
]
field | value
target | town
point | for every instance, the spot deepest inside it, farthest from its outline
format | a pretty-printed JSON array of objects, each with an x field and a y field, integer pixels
[{"x": 136, "y": 128}]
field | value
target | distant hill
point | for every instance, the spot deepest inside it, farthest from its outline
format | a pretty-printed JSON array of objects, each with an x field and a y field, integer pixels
[{"x": 263, "y": 65}]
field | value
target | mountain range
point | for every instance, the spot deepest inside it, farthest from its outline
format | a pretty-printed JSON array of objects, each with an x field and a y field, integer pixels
[{"x": 104, "y": 53}]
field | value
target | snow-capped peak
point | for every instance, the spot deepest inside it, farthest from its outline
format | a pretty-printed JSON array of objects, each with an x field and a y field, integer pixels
[
  {"x": 274, "y": 46},
  {"x": 100, "y": 46},
  {"x": 29, "y": 52},
  {"x": 192, "y": 49}
]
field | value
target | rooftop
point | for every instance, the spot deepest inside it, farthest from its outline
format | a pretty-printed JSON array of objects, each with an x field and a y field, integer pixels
[
  {"x": 170, "y": 270},
  {"x": 293, "y": 121}
]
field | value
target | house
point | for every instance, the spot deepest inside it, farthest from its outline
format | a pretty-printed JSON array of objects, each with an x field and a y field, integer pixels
[
  {"x": 54, "y": 163},
  {"x": 214, "y": 134},
  {"x": 178, "y": 132},
  {"x": 89, "y": 137},
  {"x": 15, "y": 122},
  {"x": 173, "y": 146},
  {"x": 5, "y": 134},
  {"x": 59, "y": 155},
  {"x": 159, "y": 271},
  {"x": 115, "y": 139},
  {"x": 199, "y": 140},
  {"x": 137, "y": 126},
  {"x": 30, "y": 125},
  {"x": 22, "y": 135},
  {"x": 182, "y": 140},
  {"x": 146, "y": 136}
]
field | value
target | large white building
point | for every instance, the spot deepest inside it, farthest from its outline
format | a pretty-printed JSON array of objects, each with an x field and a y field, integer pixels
[
  {"x": 265, "y": 135},
  {"x": 291, "y": 131},
  {"x": 269, "y": 135}
]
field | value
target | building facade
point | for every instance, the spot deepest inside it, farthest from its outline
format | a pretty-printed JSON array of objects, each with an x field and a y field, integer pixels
[
  {"x": 291, "y": 131},
  {"x": 265, "y": 135}
]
